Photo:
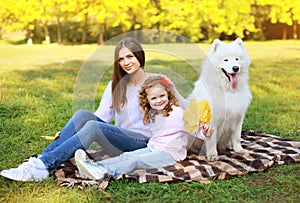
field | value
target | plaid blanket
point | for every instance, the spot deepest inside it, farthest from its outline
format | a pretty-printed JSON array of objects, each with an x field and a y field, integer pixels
[{"x": 265, "y": 151}]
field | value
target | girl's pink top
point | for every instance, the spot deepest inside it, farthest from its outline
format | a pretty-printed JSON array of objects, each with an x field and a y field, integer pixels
[{"x": 169, "y": 134}]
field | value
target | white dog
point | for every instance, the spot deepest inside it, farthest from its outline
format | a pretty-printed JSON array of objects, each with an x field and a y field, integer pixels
[{"x": 224, "y": 84}]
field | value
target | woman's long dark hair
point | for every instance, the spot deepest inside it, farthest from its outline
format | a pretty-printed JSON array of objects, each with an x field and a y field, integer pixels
[{"x": 120, "y": 78}]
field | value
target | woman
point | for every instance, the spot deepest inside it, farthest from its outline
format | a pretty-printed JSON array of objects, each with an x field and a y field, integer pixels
[{"x": 119, "y": 101}]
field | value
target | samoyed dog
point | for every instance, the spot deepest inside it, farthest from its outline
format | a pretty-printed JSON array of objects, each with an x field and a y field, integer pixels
[{"x": 224, "y": 84}]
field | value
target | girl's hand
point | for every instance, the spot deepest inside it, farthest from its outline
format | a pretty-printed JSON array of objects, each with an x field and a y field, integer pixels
[
  {"x": 207, "y": 130},
  {"x": 204, "y": 132}
]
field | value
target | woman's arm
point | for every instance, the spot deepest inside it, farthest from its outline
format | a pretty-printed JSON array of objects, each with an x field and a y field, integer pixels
[{"x": 104, "y": 111}]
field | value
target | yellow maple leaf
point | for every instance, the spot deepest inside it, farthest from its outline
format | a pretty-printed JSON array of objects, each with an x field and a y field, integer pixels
[
  {"x": 204, "y": 111},
  {"x": 197, "y": 112},
  {"x": 191, "y": 117}
]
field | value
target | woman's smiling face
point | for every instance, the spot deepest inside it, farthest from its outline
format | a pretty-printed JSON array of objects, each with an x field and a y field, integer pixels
[{"x": 128, "y": 61}]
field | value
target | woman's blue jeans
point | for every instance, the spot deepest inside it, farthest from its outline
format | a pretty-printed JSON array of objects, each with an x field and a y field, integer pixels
[{"x": 81, "y": 131}]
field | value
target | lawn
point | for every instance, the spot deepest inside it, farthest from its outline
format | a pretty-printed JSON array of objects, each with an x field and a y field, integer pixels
[{"x": 41, "y": 87}]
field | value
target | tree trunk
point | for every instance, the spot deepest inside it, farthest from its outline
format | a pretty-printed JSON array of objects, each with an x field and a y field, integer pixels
[
  {"x": 100, "y": 37},
  {"x": 58, "y": 30},
  {"x": 29, "y": 36},
  {"x": 47, "y": 36},
  {"x": 85, "y": 27},
  {"x": 295, "y": 35},
  {"x": 284, "y": 33}
]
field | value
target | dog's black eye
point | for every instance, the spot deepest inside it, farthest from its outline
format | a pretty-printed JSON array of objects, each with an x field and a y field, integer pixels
[
  {"x": 225, "y": 59},
  {"x": 236, "y": 59}
]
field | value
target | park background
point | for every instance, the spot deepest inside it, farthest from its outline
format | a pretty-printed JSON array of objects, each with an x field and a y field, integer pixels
[
  {"x": 37, "y": 84},
  {"x": 96, "y": 21}
]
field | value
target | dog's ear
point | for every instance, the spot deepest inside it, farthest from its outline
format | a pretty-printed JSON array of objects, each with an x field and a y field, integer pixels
[
  {"x": 216, "y": 43},
  {"x": 239, "y": 41}
]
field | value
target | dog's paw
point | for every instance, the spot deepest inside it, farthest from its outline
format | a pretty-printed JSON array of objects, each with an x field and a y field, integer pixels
[
  {"x": 212, "y": 158},
  {"x": 243, "y": 151},
  {"x": 239, "y": 148}
]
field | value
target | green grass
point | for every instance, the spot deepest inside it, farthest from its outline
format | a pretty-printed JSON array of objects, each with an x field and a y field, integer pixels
[{"x": 36, "y": 92}]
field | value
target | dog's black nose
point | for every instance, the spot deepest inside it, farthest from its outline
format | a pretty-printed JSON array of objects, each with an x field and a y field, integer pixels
[{"x": 235, "y": 68}]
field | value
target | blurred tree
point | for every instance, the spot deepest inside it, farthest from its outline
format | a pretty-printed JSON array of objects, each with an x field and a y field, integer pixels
[
  {"x": 235, "y": 17},
  {"x": 59, "y": 9},
  {"x": 182, "y": 17},
  {"x": 6, "y": 16},
  {"x": 83, "y": 8},
  {"x": 206, "y": 19},
  {"x": 100, "y": 10},
  {"x": 85, "y": 21},
  {"x": 29, "y": 12},
  {"x": 131, "y": 14},
  {"x": 22, "y": 15},
  {"x": 284, "y": 11},
  {"x": 46, "y": 9}
]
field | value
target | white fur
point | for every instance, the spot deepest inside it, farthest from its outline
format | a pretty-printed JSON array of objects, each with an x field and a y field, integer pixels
[{"x": 228, "y": 104}]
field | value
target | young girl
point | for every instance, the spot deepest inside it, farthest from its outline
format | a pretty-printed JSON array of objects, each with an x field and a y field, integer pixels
[
  {"x": 119, "y": 101},
  {"x": 168, "y": 143}
]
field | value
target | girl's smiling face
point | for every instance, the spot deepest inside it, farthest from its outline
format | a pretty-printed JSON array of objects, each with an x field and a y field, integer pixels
[
  {"x": 128, "y": 61},
  {"x": 157, "y": 97}
]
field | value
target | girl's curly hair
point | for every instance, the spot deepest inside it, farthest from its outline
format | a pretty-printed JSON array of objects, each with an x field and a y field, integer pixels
[{"x": 148, "y": 112}]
